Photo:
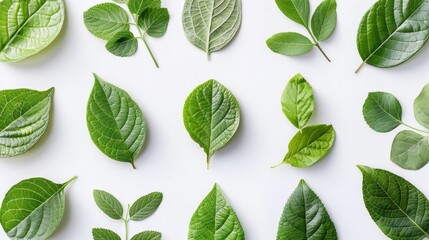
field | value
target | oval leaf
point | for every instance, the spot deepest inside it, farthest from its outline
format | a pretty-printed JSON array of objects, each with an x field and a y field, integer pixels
[
  {"x": 115, "y": 122},
  {"x": 211, "y": 115},
  {"x": 399, "y": 209},
  {"x": 215, "y": 219},
  {"x": 122, "y": 44},
  {"x": 392, "y": 31},
  {"x": 24, "y": 117},
  {"x": 324, "y": 20},
  {"x": 296, "y": 10},
  {"x": 27, "y": 27},
  {"x": 289, "y": 44},
  {"x": 211, "y": 24},
  {"x": 421, "y": 107},
  {"x": 305, "y": 217},
  {"x": 410, "y": 150},
  {"x": 33, "y": 209},
  {"x": 108, "y": 204},
  {"x": 310, "y": 145},
  {"x": 138, "y": 6},
  {"x": 104, "y": 234},
  {"x": 382, "y": 111},
  {"x": 148, "y": 235},
  {"x": 145, "y": 206},
  {"x": 106, "y": 19},
  {"x": 297, "y": 101},
  {"x": 154, "y": 21}
]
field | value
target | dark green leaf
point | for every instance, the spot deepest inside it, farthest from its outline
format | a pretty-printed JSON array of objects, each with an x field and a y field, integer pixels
[
  {"x": 410, "y": 150},
  {"x": 145, "y": 206},
  {"x": 148, "y": 235},
  {"x": 122, "y": 44},
  {"x": 108, "y": 204},
  {"x": 289, "y": 43},
  {"x": 138, "y": 6},
  {"x": 421, "y": 107},
  {"x": 106, "y": 19},
  {"x": 297, "y": 10},
  {"x": 154, "y": 21},
  {"x": 324, "y": 20},
  {"x": 382, "y": 111},
  {"x": 104, "y": 234}
]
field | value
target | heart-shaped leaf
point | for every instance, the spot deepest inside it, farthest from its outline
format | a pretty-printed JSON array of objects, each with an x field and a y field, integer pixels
[
  {"x": 104, "y": 234},
  {"x": 399, "y": 209},
  {"x": 289, "y": 44},
  {"x": 24, "y": 117},
  {"x": 382, "y": 111},
  {"x": 211, "y": 115},
  {"x": 305, "y": 217},
  {"x": 296, "y": 10},
  {"x": 421, "y": 107},
  {"x": 211, "y": 24},
  {"x": 215, "y": 219},
  {"x": 154, "y": 21},
  {"x": 115, "y": 122},
  {"x": 33, "y": 209},
  {"x": 324, "y": 20},
  {"x": 145, "y": 206},
  {"x": 122, "y": 44},
  {"x": 148, "y": 235},
  {"x": 27, "y": 27},
  {"x": 109, "y": 204},
  {"x": 410, "y": 150}
]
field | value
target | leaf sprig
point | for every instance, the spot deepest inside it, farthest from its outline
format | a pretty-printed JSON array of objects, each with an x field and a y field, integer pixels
[
  {"x": 321, "y": 27},
  {"x": 141, "y": 209},
  {"x": 110, "y": 22},
  {"x": 383, "y": 113}
]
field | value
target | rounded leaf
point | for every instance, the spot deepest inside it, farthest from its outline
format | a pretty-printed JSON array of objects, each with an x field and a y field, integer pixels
[
  {"x": 139, "y": 6},
  {"x": 122, "y": 44},
  {"x": 421, "y": 107},
  {"x": 289, "y": 44},
  {"x": 382, "y": 111},
  {"x": 410, "y": 150},
  {"x": 154, "y": 21}
]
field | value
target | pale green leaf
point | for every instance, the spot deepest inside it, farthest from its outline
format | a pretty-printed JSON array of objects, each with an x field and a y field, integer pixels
[
  {"x": 104, "y": 234},
  {"x": 324, "y": 20},
  {"x": 305, "y": 217},
  {"x": 145, "y": 206},
  {"x": 297, "y": 101},
  {"x": 215, "y": 219},
  {"x": 421, "y": 107},
  {"x": 211, "y": 115},
  {"x": 108, "y": 204},
  {"x": 382, "y": 111},
  {"x": 211, "y": 24},
  {"x": 33, "y": 209},
  {"x": 27, "y": 27},
  {"x": 122, "y": 44},
  {"x": 296, "y": 10},
  {"x": 24, "y": 117},
  {"x": 410, "y": 150},
  {"x": 139, "y": 6},
  {"x": 115, "y": 122},
  {"x": 154, "y": 21},
  {"x": 148, "y": 235},
  {"x": 289, "y": 44}
]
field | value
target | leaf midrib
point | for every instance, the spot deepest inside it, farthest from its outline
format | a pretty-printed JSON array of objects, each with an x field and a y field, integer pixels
[
  {"x": 382, "y": 108},
  {"x": 209, "y": 28},
  {"x": 300, "y": 150}
]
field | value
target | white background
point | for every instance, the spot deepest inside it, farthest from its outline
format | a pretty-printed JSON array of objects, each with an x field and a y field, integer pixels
[{"x": 172, "y": 163}]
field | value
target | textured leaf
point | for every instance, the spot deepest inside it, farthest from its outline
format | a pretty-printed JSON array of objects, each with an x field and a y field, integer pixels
[
  {"x": 215, "y": 219},
  {"x": 296, "y": 10},
  {"x": 154, "y": 21},
  {"x": 211, "y": 115},
  {"x": 145, "y": 206},
  {"x": 138, "y": 6},
  {"x": 297, "y": 101},
  {"x": 289, "y": 44},
  {"x": 115, "y": 122},
  {"x": 108, "y": 204},
  {"x": 310, "y": 145},
  {"x": 148, "y": 235},
  {"x": 33, "y": 209},
  {"x": 211, "y": 24},
  {"x": 106, "y": 19},
  {"x": 382, "y": 111},
  {"x": 421, "y": 107},
  {"x": 104, "y": 234},
  {"x": 324, "y": 20},
  {"x": 410, "y": 150},
  {"x": 122, "y": 44},
  {"x": 24, "y": 117},
  {"x": 28, "y": 26},
  {"x": 399, "y": 209},
  {"x": 305, "y": 217},
  {"x": 392, "y": 31}
]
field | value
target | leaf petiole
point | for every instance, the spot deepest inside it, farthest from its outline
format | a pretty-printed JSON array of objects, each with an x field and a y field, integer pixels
[
  {"x": 144, "y": 40},
  {"x": 278, "y": 165},
  {"x": 316, "y": 43},
  {"x": 416, "y": 129},
  {"x": 126, "y": 220}
]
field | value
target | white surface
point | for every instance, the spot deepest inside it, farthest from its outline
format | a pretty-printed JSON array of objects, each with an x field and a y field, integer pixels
[{"x": 172, "y": 163}]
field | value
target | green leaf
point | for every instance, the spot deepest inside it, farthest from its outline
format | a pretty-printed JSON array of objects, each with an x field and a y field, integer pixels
[
  {"x": 421, "y": 107},
  {"x": 115, "y": 122},
  {"x": 296, "y": 10},
  {"x": 297, "y": 101},
  {"x": 145, "y": 206},
  {"x": 289, "y": 44},
  {"x": 122, "y": 44},
  {"x": 382, "y": 111},
  {"x": 154, "y": 21},
  {"x": 27, "y": 27},
  {"x": 106, "y": 19},
  {"x": 138, "y": 6},
  {"x": 310, "y": 145},
  {"x": 148, "y": 235},
  {"x": 215, "y": 219},
  {"x": 211, "y": 24},
  {"x": 24, "y": 117},
  {"x": 324, "y": 20},
  {"x": 391, "y": 32},
  {"x": 410, "y": 150},
  {"x": 305, "y": 217},
  {"x": 104, "y": 234},
  {"x": 211, "y": 115},
  {"x": 399, "y": 209},
  {"x": 108, "y": 204},
  {"x": 33, "y": 209}
]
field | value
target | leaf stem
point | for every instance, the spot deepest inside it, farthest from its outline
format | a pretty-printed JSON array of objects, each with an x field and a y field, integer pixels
[
  {"x": 278, "y": 165},
  {"x": 316, "y": 43},
  {"x": 144, "y": 40},
  {"x": 416, "y": 129},
  {"x": 69, "y": 181},
  {"x": 208, "y": 161},
  {"x": 360, "y": 66},
  {"x": 126, "y": 220},
  {"x": 133, "y": 164}
]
